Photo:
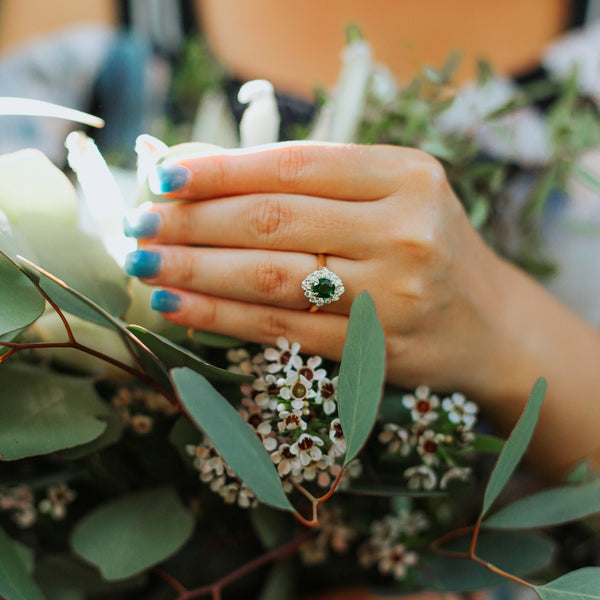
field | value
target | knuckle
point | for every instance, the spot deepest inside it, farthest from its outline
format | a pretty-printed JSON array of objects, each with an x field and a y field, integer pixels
[
  {"x": 188, "y": 269},
  {"x": 210, "y": 314},
  {"x": 274, "y": 326},
  {"x": 270, "y": 280},
  {"x": 293, "y": 162},
  {"x": 269, "y": 217}
]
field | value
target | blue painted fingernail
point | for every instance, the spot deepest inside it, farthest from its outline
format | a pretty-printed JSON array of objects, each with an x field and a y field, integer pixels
[
  {"x": 141, "y": 224},
  {"x": 166, "y": 178},
  {"x": 164, "y": 301},
  {"x": 142, "y": 263}
]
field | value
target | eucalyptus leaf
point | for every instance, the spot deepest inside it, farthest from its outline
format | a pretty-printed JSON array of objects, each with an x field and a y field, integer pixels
[
  {"x": 74, "y": 302},
  {"x": 234, "y": 439},
  {"x": 43, "y": 412},
  {"x": 21, "y": 302},
  {"x": 515, "y": 446},
  {"x": 488, "y": 443},
  {"x": 128, "y": 535},
  {"x": 549, "y": 507},
  {"x": 365, "y": 488},
  {"x": 515, "y": 552},
  {"x": 583, "y": 584},
  {"x": 111, "y": 435},
  {"x": 15, "y": 581},
  {"x": 81, "y": 261},
  {"x": 272, "y": 527},
  {"x": 173, "y": 355},
  {"x": 279, "y": 584},
  {"x": 362, "y": 373},
  {"x": 67, "y": 572}
]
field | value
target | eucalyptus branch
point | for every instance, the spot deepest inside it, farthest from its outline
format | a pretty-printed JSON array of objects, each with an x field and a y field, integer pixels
[
  {"x": 214, "y": 589},
  {"x": 16, "y": 347}
]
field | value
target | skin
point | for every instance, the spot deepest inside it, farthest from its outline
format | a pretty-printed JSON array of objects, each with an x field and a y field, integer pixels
[
  {"x": 244, "y": 233},
  {"x": 456, "y": 316}
]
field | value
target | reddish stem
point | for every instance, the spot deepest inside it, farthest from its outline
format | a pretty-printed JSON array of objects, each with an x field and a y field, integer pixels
[
  {"x": 178, "y": 587},
  {"x": 333, "y": 487},
  {"x": 214, "y": 589},
  {"x": 474, "y": 538}
]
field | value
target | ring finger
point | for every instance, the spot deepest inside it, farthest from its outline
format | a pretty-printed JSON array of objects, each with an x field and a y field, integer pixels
[{"x": 254, "y": 276}]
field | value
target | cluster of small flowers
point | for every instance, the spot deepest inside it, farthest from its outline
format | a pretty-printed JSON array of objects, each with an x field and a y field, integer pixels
[
  {"x": 292, "y": 407},
  {"x": 20, "y": 502},
  {"x": 133, "y": 406},
  {"x": 436, "y": 427},
  {"x": 334, "y": 532},
  {"x": 389, "y": 542}
]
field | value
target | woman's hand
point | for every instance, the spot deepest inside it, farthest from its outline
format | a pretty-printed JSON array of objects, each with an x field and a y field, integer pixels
[
  {"x": 232, "y": 254},
  {"x": 387, "y": 221}
]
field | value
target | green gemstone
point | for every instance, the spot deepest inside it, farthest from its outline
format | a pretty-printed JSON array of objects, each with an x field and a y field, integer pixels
[{"x": 325, "y": 288}]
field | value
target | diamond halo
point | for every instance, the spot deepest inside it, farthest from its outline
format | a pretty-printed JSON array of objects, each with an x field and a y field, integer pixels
[{"x": 323, "y": 287}]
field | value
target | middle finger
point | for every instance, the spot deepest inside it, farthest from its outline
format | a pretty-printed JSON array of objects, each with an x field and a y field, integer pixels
[{"x": 265, "y": 221}]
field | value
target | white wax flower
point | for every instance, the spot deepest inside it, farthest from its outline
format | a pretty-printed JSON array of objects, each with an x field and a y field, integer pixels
[
  {"x": 260, "y": 121},
  {"x": 214, "y": 123},
  {"x": 351, "y": 91}
]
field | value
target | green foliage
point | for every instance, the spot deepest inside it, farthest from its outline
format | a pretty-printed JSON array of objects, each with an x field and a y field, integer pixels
[
  {"x": 43, "y": 412},
  {"x": 515, "y": 446},
  {"x": 549, "y": 507},
  {"x": 15, "y": 581},
  {"x": 79, "y": 260},
  {"x": 583, "y": 584},
  {"x": 515, "y": 552},
  {"x": 362, "y": 372},
  {"x": 173, "y": 355},
  {"x": 134, "y": 532},
  {"x": 233, "y": 438},
  {"x": 21, "y": 302}
]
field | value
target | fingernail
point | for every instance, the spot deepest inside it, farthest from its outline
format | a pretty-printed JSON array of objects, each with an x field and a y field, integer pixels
[
  {"x": 166, "y": 178},
  {"x": 141, "y": 224},
  {"x": 142, "y": 263},
  {"x": 164, "y": 301}
]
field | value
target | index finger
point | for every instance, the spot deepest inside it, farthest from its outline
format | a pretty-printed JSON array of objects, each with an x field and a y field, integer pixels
[{"x": 337, "y": 171}]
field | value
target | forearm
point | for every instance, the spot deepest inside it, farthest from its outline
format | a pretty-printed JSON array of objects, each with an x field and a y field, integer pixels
[{"x": 539, "y": 337}]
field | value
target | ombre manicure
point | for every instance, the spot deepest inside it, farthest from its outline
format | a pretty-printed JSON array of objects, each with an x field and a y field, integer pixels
[
  {"x": 143, "y": 263},
  {"x": 168, "y": 178},
  {"x": 165, "y": 301},
  {"x": 141, "y": 224}
]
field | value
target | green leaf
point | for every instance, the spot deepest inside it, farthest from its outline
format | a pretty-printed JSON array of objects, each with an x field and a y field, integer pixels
[
  {"x": 362, "y": 372},
  {"x": 134, "y": 532},
  {"x": 64, "y": 572},
  {"x": 81, "y": 261},
  {"x": 488, "y": 443},
  {"x": 583, "y": 584},
  {"x": 172, "y": 355},
  {"x": 272, "y": 527},
  {"x": 74, "y": 302},
  {"x": 21, "y": 302},
  {"x": 515, "y": 446},
  {"x": 515, "y": 552},
  {"x": 15, "y": 581},
  {"x": 366, "y": 488},
  {"x": 111, "y": 435},
  {"x": 234, "y": 439},
  {"x": 549, "y": 507},
  {"x": 279, "y": 584},
  {"x": 43, "y": 412}
]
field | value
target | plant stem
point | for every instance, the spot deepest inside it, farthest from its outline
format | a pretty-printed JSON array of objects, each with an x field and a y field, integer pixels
[{"x": 214, "y": 589}]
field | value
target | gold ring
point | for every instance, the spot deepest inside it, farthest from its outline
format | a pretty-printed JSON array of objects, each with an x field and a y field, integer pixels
[{"x": 322, "y": 286}]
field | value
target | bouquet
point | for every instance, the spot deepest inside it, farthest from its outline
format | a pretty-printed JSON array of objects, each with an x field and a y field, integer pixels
[{"x": 143, "y": 460}]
